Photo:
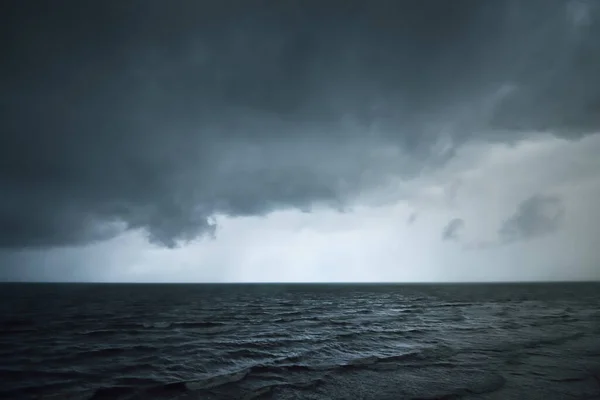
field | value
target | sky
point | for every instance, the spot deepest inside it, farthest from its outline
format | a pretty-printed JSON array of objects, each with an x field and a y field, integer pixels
[{"x": 300, "y": 141}]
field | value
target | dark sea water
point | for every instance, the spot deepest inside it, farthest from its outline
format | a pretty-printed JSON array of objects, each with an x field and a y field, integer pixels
[{"x": 83, "y": 341}]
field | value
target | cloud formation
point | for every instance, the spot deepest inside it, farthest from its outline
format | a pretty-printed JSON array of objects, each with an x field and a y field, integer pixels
[
  {"x": 452, "y": 230},
  {"x": 117, "y": 117},
  {"x": 536, "y": 216},
  {"x": 412, "y": 218}
]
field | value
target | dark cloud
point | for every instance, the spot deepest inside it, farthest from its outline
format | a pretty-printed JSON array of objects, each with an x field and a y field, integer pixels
[
  {"x": 452, "y": 230},
  {"x": 412, "y": 218},
  {"x": 553, "y": 86},
  {"x": 451, "y": 192},
  {"x": 536, "y": 216},
  {"x": 141, "y": 115}
]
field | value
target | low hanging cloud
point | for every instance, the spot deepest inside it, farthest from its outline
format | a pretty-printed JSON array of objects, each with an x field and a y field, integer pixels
[
  {"x": 412, "y": 218},
  {"x": 537, "y": 216},
  {"x": 452, "y": 230},
  {"x": 160, "y": 118}
]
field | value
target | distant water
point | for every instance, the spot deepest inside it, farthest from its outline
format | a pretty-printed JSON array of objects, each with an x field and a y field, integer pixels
[{"x": 84, "y": 341}]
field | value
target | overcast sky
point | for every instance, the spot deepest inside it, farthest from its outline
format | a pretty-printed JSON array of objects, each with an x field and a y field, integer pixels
[{"x": 195, "y": 141}]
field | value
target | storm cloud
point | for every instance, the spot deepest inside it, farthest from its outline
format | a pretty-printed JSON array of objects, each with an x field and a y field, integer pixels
[
  {"x": 452, "y": 230},
  {"x": 536, "y": 216},
  {"x": 412, "y": 218},
  {"x": 139, "y": 115}
]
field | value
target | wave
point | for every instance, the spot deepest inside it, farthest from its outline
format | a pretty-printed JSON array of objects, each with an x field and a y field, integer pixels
[
  {"x": 249, "y": 353},
  {"x": 272, "y": 342},
  {"x": 167, "y": 389},
  {"x": 263, "y": 391},
  {"x": 137, "y": 381},
  {"x": 280, "y": 369},
  {"x": 204, "y": 324},
  {"x": 382, "y": 333},
  {"x": 290, "y": 313},
  {"x": 537, "y": 343},
  {"x": 260, "y": 372},
  {"x": 111, "y": 332},
  {"x": 552, "y": 341},
  {"x": 489, "y": 384},
  {"x": 113, "y": 351},
  {"x": 135, "y": 327},
  {"x": 10, "y": 374},
  {"x": 290, "y": 318},
  {"x": 421, "y": 307},
  {"x": 427, "y": 354},
  {"x": 200, "y": 387}
]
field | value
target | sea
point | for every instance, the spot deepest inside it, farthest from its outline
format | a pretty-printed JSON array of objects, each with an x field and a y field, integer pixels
[{"x": 300, "y": 341}]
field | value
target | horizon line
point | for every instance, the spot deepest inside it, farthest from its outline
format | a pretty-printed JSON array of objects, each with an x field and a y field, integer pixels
[{"x": 305, "y": 282}]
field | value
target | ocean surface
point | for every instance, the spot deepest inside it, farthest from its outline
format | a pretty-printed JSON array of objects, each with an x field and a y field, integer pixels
[{"x": 103, "y": 341}]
